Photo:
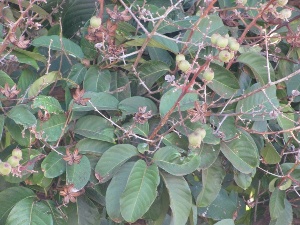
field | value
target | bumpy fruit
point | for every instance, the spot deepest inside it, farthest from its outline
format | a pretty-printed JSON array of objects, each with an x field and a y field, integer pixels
[
  {"x": 196, "y": 138},
  {"x": 208, "y": 74},
  {"x": 214, "y": 38},
  {"x": 95, "y": 22},
  {"x": 224, "y": 56},
  {"x": 14, "y": 161},
  {"x": 282, "y": 2},
  {"x": 184, "y": 65},
  {"x": 222, "y": 42},
  {"x": 5, "y": 168},
  {"x": 180, "y": 57},
  {"x": 285, "y": 14},
  {"x": 17, "y": 152}
]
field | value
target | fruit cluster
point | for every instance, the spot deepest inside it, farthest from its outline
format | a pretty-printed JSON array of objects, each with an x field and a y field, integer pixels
[
  {"x": 182, "y": 63},
  {"x": 227, "y": 46},
  {"x": 276, "y": 10},
  {"x": 12, "y": 161}
]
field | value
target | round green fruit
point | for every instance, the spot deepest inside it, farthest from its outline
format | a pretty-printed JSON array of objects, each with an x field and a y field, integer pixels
[
  {"x": 234, "y": 46},
  {"x": 14, "y": 161},
  {"x": 180, "y": 57},
  {"x": 95, "y": 22},
  {"x": 17, "y": 152},
  {"x": 214, "y": 38},
  {"x": 5, "y": 168},
  {"x": 241, "y": 2},
  {"x": 281, "y": 2},
  {"x": 208, "y": 74},
  {"x": 184, "y": 65},
  {"x": 196, "y": 138},
  {"x": 285, "y": 14},
  {"x": 222, "y": 42},
  {"x": 224, "y": 56}
]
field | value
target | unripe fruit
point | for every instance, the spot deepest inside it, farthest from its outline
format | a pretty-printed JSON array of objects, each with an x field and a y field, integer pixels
[
  {"x": 224, "y": 56},
  {"x": 285, "y": 14},
  {"x": 234, "y": 45},
  {"x": 17, "y": 152},
  {"x": 208, "y": 74},
  {"x": 241, "y": 2},
  {"x": 281, "y": 2},
  {"x": 5, "y": 168},
  {"x": 184, "y": 65},
  {"x": 180, "y": 57},
  {"x": 214, "y": 38},
  {"x": 196, "y": 138},
  {"x": 95, "y": 22},
  {"x": 14, "y": 161},
  {"x": 222, "y": 42}
]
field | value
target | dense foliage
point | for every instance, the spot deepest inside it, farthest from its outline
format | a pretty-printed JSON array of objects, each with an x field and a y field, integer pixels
[{"x": 149, "y": 112}]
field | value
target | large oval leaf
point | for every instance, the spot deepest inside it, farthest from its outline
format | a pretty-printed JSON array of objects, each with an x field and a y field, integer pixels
[
  {"x": 79, "y": 174},
  {"x": 93, "y": 147},
  {"x": 169, "y": 159},
  {"x": 115, "y": 190},
  {"x": 112, "y": 159},
  {"x": 276, "y": 203},
  {"x": 242, "y": 153},
  {"x": 258, "y": 65},
  {"x": 212, "y": 179},
  {"x": 10, "y": 197},
  {"x": 131, "y": 105},
  {"x": 48, "y": 103},
  {"x": 180, "y": 198},
  {"x": 21, "y": 115},
  {"x": 95, "y": 127},
  {"x": 53, "y": 165},
  {"x": 171, "y": 96},
  {"x": 208, "y": 155},
  {"x": 97, "y": 80},
  {"x": 56, "y": 42},
  {"x": 29, "y": 211},
  {"x": 140, "y": 191}
]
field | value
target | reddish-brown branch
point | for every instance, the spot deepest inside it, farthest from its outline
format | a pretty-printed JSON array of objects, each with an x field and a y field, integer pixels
[{"x": 101, "y": 10}]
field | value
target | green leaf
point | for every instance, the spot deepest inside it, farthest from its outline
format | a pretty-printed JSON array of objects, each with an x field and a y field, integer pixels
[
  {"x": 10, "y": 197},
  {"x": 83, "y": 212},
  {"x": 77, "y": 74},
  {"x": 40, "y": 180},
  {"x": 34, "y": 55},
  {"x": 95, "y": 127},
  {"x": 242, "y": 153},
  {"x": 208, "y": 155},
  {"x": 212, "y": 179},
  {"x": 21, "y": 115},
  {"x": 224, "y": 83},
  {"x": 171, "y": 96},
  {"x": 276, "y": 203},
  {"x": 101, "y": 101},
  {"x": 286, "y": 120},
  {"x": 113, "y": 159},
  {"x": 53, "y": 128},
  {"x": 4, "y": 78},
  {"x": 53, "y": 165},
  {"x": 26, "y": 79},
  {"x": 79, "y": 173},
  {"x": 258, "y": 64},
  {"x": 225, "y": 222},
  {"x": 43, "y": 82},
  {"x": 29, "y": 211},
  {"x": 48, "y": 103},
  {"x": 58, "y": 217},
  {"x": 161, "y": 55},
  {"x": 286, "y": 216},
  {"x": 119, "y": 81},
  {"x": 227, "y": 126},
  {"x": 22, "y": 58},
  {"x": 269, "y": 154},
  {"x": 150, "y": 72},
  {"x": 55, "y": 42},
  {"x": 138, "y": 128},
  {"x": 18, "y": 133},
  {"x": 169, "y": 159},
  {"x": 210, "y": 24},
  {"x": 170, "y": 26},
  {"x": 180, "y": 198},
  {"x": 176, "y": 140},
  {"x": 97, "y": 80},
  {"x": 259, "y": 106},
  {"x": 140, "y": 191},
  {"x": 114, "y": 192},
  {"x": 242, "y": 180},
  {"x": 131, "y": 105},
  {"x": 94, "y": 147},
  {"x": 163, "y": 209}
]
